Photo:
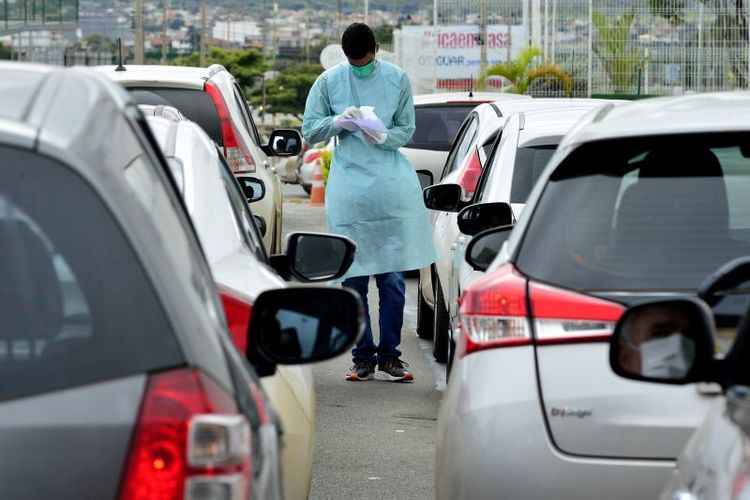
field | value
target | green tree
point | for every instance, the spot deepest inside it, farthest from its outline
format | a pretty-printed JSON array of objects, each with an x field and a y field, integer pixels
[
  {"x": 384, "y": 34},
  {"x": 614, "y": 49},
  {"x": 246, "y": 65},
  {"x": 5, "y": 52},
  {"x": 522, "y": 72},
  {"x": 287, "y": 92}
]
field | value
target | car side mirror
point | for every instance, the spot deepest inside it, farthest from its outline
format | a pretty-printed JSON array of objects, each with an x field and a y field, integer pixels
[
  {"x": 284, "y": 142},
  {"x": 305, "y": 324},
  {"x": 315, "y": 257},
  {"x": 477, "y": 218},
  {"x": 443, "y": 197},
  {"x": 426, "y": 178},
  {"x": 261, "y": 223},
  {"x": 664, "y": 341},
  {"x": 482, "y": 250},
  {"x": 253, "y": 188}
]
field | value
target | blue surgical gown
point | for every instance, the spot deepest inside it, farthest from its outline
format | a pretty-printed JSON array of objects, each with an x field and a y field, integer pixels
[{"x": 373, "y": 194}]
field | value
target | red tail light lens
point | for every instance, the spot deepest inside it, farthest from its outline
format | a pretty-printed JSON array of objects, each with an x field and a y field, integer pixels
[
  {"x": 238, "y": 311},
  {"x": 496, "y": 312},
  {"x": 493, "y": 312},
  {"x": 235, "y": 150},
  {"x": 190, "y": 442},
  {"x": 470, "y": 175}
]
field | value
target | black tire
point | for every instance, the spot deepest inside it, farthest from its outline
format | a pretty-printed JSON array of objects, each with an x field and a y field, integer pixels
[
  {"x": 424, "y": 316},
  {"x": 451, "y": 354},
  {"x": 441, "y": 322},
  {"x": 307, "y": 188}
]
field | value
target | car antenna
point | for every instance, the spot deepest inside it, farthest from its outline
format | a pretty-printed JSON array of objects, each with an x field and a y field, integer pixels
[
  {"x": 471, "y": 87},
  {"x": 120, "y": 66}
]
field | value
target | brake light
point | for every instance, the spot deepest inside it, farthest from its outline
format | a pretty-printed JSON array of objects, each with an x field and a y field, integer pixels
[
  {"x": 190, "y": 442},
  {"x": 497, "y": 310},
  {"x": 238, "y": 312},
  {"x": 470, "y": 175},
  {"x": 235, "y": 150}
]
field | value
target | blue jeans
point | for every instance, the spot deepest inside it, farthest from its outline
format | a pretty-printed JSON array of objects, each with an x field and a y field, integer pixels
[{"x": 392, "y": 292}]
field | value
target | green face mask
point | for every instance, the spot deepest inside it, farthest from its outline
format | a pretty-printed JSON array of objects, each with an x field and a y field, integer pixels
[{"x": 364, "y": 71}]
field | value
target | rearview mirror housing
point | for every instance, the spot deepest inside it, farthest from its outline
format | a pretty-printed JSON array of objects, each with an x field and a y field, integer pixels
[
  {"x": 284, "y": 143},
  {"x": 302, "y": 325},
  {"x": 477, "y": 218},
  {"x": 253, "y": 188},
  {"x": 443, "y": 197},
  {"x": 426, "y": 178},
  {"x": 315, "y": 257},
  {"x": 664, "y": 341},
  {"x": 484, "y": 247}
]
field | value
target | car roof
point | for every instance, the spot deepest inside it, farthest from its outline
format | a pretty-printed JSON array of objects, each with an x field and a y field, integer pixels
[
  {"x": 549, "y": 123},
  {"x": 698, "y": 113},
  {"x": 57, "y": 108},
  {"x": 168, "y": 76},
  {"x": 510, "y": 107},
  {"x": 466, "y": 98}
]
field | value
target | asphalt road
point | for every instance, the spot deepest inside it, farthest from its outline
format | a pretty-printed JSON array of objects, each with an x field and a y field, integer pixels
[{"x": 374, "y": 439}]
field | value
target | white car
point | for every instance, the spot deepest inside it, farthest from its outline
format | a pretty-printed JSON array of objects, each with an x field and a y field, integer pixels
[
  {"x": 438, "y": 119},
  {"x": 212, "y": 98},
  {"x": 519, "y": 155},
  {"x": 469, "y": 155},
  {"x": 640, "y": 201},
  {"x": 241, "y": 269}
]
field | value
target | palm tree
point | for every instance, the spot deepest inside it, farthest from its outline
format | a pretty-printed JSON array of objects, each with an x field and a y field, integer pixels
[
  {"x": 522, "y": 72},
  {"x": 620, "y": 59}
]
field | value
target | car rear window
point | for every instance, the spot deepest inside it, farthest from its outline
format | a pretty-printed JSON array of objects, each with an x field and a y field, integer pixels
[
  {"x": 437, "y": 126},
  {"x": 194, "y": 104},
  {"x": 75, "y": 305},
  {"x": 642, "y": 214},
  {"x": 529, "y": 164}
]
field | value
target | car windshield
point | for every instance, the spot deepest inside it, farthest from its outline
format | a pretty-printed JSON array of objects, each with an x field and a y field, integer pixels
[
  {"x": 438, "y": 125},
  {"x": 642, "y": 214},
  {"x": 529, "y": 164}
]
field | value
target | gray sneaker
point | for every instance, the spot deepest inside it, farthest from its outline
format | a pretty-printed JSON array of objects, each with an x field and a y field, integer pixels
[
  {"x": 361, "y": 371},
  {"x": 394, "y": 370}
]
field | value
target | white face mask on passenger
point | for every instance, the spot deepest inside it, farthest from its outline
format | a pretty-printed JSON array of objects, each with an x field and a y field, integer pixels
[{"x": 667, "y": 357}]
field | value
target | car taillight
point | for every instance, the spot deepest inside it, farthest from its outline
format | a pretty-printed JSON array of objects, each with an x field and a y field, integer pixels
[
  {"x": 238, "y": 311},
  {"x": 190, "y": 442},
  {"x": 496, "y": 311},
  {"x": 235, "y": 150},
  {"x": 470, "y": 175}
]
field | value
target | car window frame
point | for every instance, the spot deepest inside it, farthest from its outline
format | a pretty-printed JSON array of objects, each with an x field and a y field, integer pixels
[{"x": 473, "y": 116}]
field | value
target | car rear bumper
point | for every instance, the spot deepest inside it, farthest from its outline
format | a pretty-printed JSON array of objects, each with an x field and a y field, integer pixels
[{"x": 493, "y": 443}]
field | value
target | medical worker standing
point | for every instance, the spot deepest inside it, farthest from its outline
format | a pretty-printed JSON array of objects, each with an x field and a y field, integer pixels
[{"x": 373, "y": 194}]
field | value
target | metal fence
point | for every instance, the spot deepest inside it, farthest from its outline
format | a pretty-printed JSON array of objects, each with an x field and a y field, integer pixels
[{"x": 624, "y": 47}]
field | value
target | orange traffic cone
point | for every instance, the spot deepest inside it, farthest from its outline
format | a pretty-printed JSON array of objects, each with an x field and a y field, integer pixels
[{"x": 318, "y": 193}]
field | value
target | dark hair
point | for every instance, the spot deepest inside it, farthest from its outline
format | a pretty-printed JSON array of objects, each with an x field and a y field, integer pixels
[{"x": 358, "y": 40}]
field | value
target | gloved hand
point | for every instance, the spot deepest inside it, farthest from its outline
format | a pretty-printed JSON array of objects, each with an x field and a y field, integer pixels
[
  {"x": 375, "y": 137},
  {"x": 344, "y": 119}
]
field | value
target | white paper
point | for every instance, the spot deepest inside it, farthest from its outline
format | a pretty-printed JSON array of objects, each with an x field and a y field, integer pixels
[{"x": 368, "y": 122}]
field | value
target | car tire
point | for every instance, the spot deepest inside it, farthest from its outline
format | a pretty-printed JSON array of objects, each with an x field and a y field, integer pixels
[
  {"x": 307, "y": 188},
  {"x": 424, "y": 316},
  {"x": 451, "y": 354},
  {"x": 440, "y": 326}
]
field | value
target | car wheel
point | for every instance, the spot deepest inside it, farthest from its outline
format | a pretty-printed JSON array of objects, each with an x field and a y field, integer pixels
[
  {"x": 307, "y": 188},
  {"x": 440, "y": 330},
  {"x": 424, "y": 316}
]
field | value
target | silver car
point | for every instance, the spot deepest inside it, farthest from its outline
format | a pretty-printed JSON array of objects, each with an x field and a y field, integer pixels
[
  {"x": 639, "y": 200},
  {"x": 676, "y": 340}
]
